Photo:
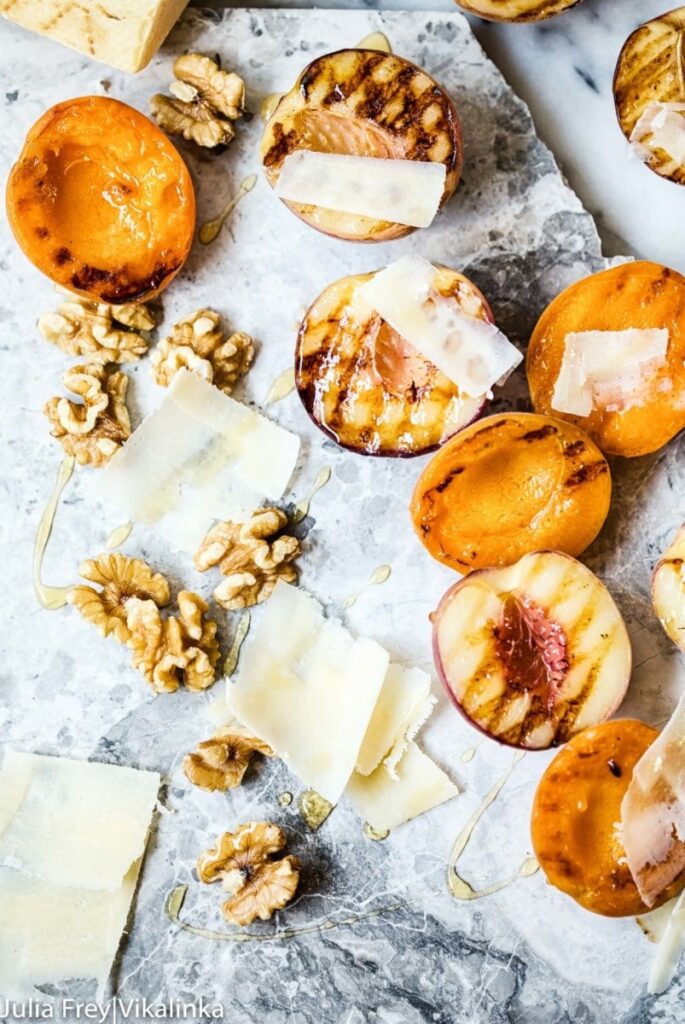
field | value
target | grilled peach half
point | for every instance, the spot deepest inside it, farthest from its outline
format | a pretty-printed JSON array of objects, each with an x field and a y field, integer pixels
[
  {"x": 668, "y": 589},
  {"x": 516, "y": 10},
  {"x": 576, "y": 817},
  {"x": 510, "y": 484},
  {"x": 641, "y": 296},
  {"x": 533, "y": 653},
  {"x": 101, "y": 202},
  {"x": 363, "y": 103},
  {"x": 369, "y": 389},
  {"x": 648, "y": 85}
]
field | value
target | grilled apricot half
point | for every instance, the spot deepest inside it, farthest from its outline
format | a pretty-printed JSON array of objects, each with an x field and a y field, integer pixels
[
  {"x": 576, "y": 817},
  {"x": 368, "y": 388},
  {"x": 510, "y": 484},
  {"x": 363, "y": 103},
  {"x": 534, "y": 652},
  {"x": 516, "y": 10},
  {"x": 638, "y": 296},
  {"x": 101, "y": 202},
  {"x": 649, "y": 93}
]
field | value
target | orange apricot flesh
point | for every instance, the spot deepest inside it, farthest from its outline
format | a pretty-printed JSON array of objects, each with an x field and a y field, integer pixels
[
  {"x": 633, "y": 295},
  {"x": 101, "y": 202},
  {"x": 507, "y": 485},
  {"x": 575, "y": 824}
]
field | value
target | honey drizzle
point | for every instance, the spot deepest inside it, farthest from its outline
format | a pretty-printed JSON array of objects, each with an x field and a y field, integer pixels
[
  {"x": 458, "y": 886},
  {"x": 468, "y": 755},
  {"x": 314, "y": 808},
  {"x": 281, "y": 387},
  {"x": 378, "y": 576},
  {"x": 49, "y": 597},
  {"x": 211, "y": 228},
  {"x": 118, "y": 536},
  {"x": 375, "y": 41},
  {"x": 174, "y": 903},
  {"x": 373, "y": 833},
  {"x": 241, "y": 632},
  {"x": 302, "y": 507},
  {"x": 268, "y": 105}
]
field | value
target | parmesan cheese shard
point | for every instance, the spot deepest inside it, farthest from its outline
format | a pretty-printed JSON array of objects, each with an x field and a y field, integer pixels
[
  {"x": 199, "y": 456},
  {"x": 404, "y": 692},
  {"x": 653, "y": 811},
  {"x": 124, "y": 34},
  {"x": 472, "y": 353},
  {"x": 308, "y": 689},
  {"x": 608, "y": 368},
  {"x": 398, "y": 191},
  {"x": 670, "y": 949},
  {"x": 386, "y": 802},
  {"x": 72, "y": 839},
  {"x": 661, "y": 126}
]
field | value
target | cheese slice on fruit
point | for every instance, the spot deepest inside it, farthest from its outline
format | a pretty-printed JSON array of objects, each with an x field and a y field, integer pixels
[
  {"x": 607, "y": 368},
  {"x": 398, "y": 191},
  {"x": 386, "y": 802},
  {"x": 308, "y": 689},
  {"x": 199, "y": 456},
  {"x": 670, "y": 949},
  {"x": 403, "y": 695},
  {"x": 472, "y": 353},
  {"x": 72, "y": 838},
  {"x": 653, "y": 811},
  {"x": 661, "y": 126},
  {"x": 126, "y": 36}
]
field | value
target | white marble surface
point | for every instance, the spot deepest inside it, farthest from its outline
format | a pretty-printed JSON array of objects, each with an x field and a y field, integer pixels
[
  {"x": 563, "y": 69},
  {"x": 527, "y": 955}
]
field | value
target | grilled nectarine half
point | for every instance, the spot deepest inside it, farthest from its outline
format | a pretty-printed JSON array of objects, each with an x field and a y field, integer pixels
[
  {"x": 608, "y": 354},
  {"x": 363, "y": 103},
  {"x": 368, "y": 388},
  {"x": 576, "y": 818},
  {"x": 101, "y": 202},
  {"x": 516, "y": 10},
  {"x": 532, "y": 653},
  {"x": 668, "y": 589},
  {"x": 510, "y": 484}
]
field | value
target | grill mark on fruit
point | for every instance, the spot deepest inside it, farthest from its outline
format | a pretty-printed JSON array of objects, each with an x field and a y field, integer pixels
[
  {"x": 575, "y": 448},
  {"x": 118, "y": 287},
  {"x": 62, "y": 256},
  {"x": 586, "y": 474},
  {"x": 42, "y": 232},
  {"x": 540, "y": 433},
  {"x": 457, "y": 471}
]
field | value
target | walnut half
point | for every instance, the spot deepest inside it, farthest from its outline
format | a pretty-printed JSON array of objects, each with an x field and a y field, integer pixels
[
  {"x": 221, "y": 762},
  {"x": 102, "y": 332},
  {"x": 120, "y": 578},
  {"x": 246, "y": 864},
  {"x": 93, "y": 429},
  {"x": 173, "y": 650},
  {"x": 199, "y": 343},
  {"x": 252, "y": 555},
  {"x": 205, "y": 102}
]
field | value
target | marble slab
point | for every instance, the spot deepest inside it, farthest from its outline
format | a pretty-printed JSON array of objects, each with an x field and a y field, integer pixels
[{"x": 412, "y": 954}]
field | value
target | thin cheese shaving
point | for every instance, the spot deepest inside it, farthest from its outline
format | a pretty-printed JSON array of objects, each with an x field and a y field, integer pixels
[
  {"x": 661, "y": 126},
  {"x": 399, "y": 191},
  {"x": 471, "y": 352},
  {"x": 404, "y": 692}
]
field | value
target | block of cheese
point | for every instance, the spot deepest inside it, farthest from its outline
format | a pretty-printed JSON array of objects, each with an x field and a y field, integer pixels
[
  {"x": 399, "y": 191},
  {"x": 609, "y": 368},
  {"x": 199, "y": 456},
  {"x": 386, "y": 802},
  {"x": 308, "y": 689},
  {"x": 404, "y": 692},
  {"x": 72, "y": 839},
  {"x": 472, "y": 353},
  {"x": 125, "y": 34},
  {"x": 661, "y": 126}
]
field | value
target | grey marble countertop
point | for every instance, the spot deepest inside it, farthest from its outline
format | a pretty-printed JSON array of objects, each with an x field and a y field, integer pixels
[
  {"x": 526, "y": 955},
  {"x": 563, "y": 69}
]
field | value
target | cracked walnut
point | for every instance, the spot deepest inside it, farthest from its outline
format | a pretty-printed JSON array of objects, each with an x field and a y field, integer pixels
[
  {"x": 252, "y": 555},
  {"x": 120, "y": 578},
  {"x": 198, "y": 343},
  {"x": 221, "y": 762},
  {"x": 173, "y": 650},
  {"x": 245, "y": 862},
  {"x": 205, "y": 102},
  {"x": 102, "y": 332},
  {"x": 95, "y": 428}
]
